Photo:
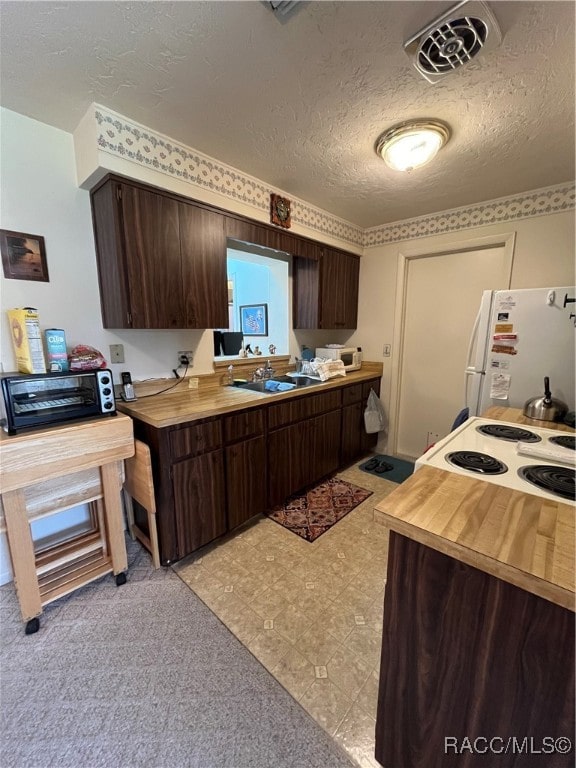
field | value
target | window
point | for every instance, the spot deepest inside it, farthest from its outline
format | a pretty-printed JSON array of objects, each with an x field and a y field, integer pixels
[{"x": 258, "y": 279}]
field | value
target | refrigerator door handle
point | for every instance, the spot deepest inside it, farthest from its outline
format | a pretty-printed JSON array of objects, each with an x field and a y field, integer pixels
[{"x": 473, "y": 336}]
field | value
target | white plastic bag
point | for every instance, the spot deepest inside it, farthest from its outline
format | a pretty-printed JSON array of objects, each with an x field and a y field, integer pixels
[{"x": 374, "y": 417}]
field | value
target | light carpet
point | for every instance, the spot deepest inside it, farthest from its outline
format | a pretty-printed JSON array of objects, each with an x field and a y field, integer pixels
[{"x": 144, "y": 675}]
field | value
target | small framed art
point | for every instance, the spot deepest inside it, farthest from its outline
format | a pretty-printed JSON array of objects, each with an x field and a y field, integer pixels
[
  {"x": 23, "y": 256},
  {"x": 254, "y": 319}
]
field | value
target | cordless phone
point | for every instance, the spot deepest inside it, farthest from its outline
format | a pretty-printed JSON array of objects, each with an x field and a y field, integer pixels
[{"x": 127, "y": 387}]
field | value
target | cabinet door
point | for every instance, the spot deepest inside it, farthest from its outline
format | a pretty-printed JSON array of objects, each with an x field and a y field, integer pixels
[
  {"x": 204, "y": 282},
  {"x": 302, "y": 454},
  {"x": 153, "y": 265},
  {"x": 287, "y": 458},
  {"x": 108, "y": 238},
  {"x": 352, "y": 431},
  {"x": 339, "y": 290},
  {"x": 323, "y": 446},
  {"x": 245, "y": 480},
  {"x": 326, "y": 291},
  {"x": 199, "y": 501}
]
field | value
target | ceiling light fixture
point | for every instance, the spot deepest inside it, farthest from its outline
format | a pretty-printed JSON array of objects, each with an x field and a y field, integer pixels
[{"x": 411, "y": 144}]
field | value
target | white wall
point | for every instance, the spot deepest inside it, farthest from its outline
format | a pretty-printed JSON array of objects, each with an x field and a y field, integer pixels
[{"x": 543, "y": 256}]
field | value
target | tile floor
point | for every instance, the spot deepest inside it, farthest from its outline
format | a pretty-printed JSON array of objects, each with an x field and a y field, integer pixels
[{"x": 311, "y": 613}]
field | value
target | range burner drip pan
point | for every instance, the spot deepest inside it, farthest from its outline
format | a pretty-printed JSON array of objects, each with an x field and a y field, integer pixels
[
  {"x": 557, "y": 480},
  {"x": 506, "y": 432},
  {"x": 474, "y": 461},
  {"x": 566, "y": 441}
]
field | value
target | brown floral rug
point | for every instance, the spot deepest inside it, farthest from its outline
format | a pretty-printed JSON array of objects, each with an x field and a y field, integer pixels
[{"x": 313, "y": 512}]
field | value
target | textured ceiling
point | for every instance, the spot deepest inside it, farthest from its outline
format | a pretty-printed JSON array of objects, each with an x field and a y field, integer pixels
[{"x": 299, "y": 102}]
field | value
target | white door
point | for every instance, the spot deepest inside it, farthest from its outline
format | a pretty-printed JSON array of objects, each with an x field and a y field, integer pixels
[{"x": 442, "y": 294}]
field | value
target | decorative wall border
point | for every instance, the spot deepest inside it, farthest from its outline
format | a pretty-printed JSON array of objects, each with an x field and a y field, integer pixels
[
  {"x": 124, "y": 138},
  {"x": 526, "y": 205}
]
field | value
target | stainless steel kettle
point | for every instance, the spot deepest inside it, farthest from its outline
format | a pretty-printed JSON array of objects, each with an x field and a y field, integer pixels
[{"x": 545, "y": 408}]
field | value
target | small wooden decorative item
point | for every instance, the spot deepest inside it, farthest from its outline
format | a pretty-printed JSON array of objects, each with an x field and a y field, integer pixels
[
  {"x": 280, "y": 211},
  {"x": 23, "y": 256}
]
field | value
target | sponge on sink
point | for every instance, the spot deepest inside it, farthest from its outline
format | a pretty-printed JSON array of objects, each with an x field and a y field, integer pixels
[{"x": 278, "y": 386}]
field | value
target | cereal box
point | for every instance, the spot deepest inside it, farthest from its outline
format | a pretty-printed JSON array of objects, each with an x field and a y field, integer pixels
[{"x": 27, "y": 340}]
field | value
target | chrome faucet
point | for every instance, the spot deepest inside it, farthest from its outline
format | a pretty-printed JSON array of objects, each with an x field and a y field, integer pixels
[{"x": 263, "y": 373}]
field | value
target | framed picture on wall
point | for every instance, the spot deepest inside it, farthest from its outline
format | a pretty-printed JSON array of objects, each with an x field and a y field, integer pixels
[
  {"x": 23, "y": 256},
  {"x": 254, "y": 319}
]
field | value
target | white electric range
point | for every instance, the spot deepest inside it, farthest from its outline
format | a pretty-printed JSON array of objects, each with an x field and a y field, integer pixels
[{"x": 530, "y": 459}]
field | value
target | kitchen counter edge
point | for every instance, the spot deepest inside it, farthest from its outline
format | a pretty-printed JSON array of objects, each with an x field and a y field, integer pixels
[
  {"x": 525, "y": 540},
  {"x": 191, "y": 405}
]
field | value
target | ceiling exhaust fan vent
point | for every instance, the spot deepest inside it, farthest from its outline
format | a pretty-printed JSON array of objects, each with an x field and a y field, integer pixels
[{"x": 453, "y": 40}]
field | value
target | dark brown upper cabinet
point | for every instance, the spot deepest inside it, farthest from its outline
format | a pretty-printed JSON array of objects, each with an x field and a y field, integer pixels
[
  {"x": 326, "y": 291},
  {"x": 161, "y": 260}
]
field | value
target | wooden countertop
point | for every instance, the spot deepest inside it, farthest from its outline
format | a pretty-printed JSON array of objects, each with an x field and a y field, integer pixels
[
  {"x": 38, "y": 455},
  {"x": 178, "y": 407},
  {"x": 523, "y": 539}
]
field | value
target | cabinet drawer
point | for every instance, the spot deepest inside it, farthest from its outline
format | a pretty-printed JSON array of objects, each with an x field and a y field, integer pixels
[
  {"x": 195, "y": 439},
  {"x": 303, "y": 408},
  {"x": 241, "y": 426},
  {"x": 352, "y": 394}
]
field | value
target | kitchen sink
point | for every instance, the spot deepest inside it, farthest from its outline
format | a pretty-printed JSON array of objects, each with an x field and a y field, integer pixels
[{"x": 260, "y": 386}]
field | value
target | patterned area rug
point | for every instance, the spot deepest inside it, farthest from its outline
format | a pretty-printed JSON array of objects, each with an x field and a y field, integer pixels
[{"x": 312, "y": 513}]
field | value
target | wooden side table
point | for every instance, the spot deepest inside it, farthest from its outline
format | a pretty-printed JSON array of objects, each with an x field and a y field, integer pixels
[{"x": 45, "y": 471}]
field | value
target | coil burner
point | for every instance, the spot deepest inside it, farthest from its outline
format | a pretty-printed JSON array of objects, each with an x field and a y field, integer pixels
[
  {"x": 474, "y": 461},
  {"x": 566, "y": 441},
  {"x": 557, "y": 480},
  {"x": 506, "y": 432}
]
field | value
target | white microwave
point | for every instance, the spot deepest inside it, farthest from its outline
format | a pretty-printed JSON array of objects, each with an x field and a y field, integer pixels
[{"x": 350, "y": 356}]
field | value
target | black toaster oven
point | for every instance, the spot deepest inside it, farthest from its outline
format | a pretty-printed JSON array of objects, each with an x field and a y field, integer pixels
[{"x": 40, "y": 400}]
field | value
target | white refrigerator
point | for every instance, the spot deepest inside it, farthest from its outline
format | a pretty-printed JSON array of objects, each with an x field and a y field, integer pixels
[{"x": 519, "y": 337}]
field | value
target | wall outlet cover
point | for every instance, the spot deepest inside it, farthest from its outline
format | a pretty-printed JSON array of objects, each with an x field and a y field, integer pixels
[
  {"x": 116, "y": 353},
  {"x": 193, "y": 382}
]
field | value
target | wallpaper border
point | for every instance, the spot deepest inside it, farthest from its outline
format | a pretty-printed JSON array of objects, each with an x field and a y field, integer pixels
[{"x": 124, "y": 138}]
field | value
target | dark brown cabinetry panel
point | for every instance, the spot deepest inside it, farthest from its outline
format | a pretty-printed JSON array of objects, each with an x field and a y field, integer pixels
[
  {"x": 326, "y": 291},
  {"x": 152, "y": 249},
  {"x": 196, "y": 438},
  {"x": 466, "y": 655},
  {"x": 245, "y": 480},
  {"x": 302, "y": 454},
  {"x": 203, "y": 249},
  {"x": 302, "y": 408},
  {"x": 352, "y": 423},
  {"x": 199, "y": 500},
  {"x": 161, "y": 261},
  {"x": 241, "y": 426},
  {"x": 212, "y": 475}
]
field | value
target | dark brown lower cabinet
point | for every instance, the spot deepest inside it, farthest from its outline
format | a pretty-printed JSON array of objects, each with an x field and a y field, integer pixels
[
  {"x": 199, "y": 500},
  {"x": 301, "y": 454},
  {"x": 469, "y": 664},
  {"x": 245, "y": 480},
  {"x": 214, "y": 474}
]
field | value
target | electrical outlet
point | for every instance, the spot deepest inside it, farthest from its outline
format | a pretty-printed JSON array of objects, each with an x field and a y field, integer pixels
[
  {"x": 193, "y": 382},
  {"x": 186, "y": 355},
  {"x": 116, "y": 353}
]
